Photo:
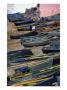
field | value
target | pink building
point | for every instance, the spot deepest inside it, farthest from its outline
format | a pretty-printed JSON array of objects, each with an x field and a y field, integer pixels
[{"x": 48, "y": 9}]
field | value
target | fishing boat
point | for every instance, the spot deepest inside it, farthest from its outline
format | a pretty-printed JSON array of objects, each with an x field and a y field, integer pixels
[
  {"x": 15, "y": 17},
  {"x": 40, "y": 39},
  {"x": 53, "y": 47},
  {"x": 25, "y": 35},
  {"x": 35, "y": 77},
  {"x": 19, "y": 53}
]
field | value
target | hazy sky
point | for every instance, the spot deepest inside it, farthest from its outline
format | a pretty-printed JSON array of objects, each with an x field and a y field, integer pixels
[{"x": 13, "y": 8}]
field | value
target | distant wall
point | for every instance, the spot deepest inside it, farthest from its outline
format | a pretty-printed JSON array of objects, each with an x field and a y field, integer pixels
[{"x": 49, "y": 9}]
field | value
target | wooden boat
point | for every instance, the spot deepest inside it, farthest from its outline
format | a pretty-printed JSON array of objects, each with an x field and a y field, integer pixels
[
  {"x": 38, "y": 40},
  {"x": 53, "y": 47},
  {"x": 19, "y": 53},
  {"x": 36, "y": 77},
  {"x": 39, "y": 26},
  {"x": 27, "y": 21},
  {"x": 33, "y": 64},
  {"x": 15, "y": 17},
  {"x": 25, "y": 35}
]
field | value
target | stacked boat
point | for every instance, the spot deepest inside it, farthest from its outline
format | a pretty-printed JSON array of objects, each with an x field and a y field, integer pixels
[
  {"x": 34, "y": 70},
  {"x": 25, "y": 68},
  {"x": 40, "y": 39}
]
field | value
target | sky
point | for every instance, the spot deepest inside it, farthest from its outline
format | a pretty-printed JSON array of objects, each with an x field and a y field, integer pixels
[{"x": 14, "y": 8}]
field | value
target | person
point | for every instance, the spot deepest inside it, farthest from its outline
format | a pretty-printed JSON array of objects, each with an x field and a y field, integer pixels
[{"x": 30, "y": 27}]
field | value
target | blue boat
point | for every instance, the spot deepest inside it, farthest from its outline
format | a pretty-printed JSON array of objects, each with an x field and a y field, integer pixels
[
  {"x": 53, "y": 47},
  {"x": 15, "y": 17},
  {"x": 25, "y": 35},
  {"x": 38, "y": 40},
  {"x": 25, "y": 21},
  {"x": 50, "y": 72},
  {"x": 19, "y": 53}
]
